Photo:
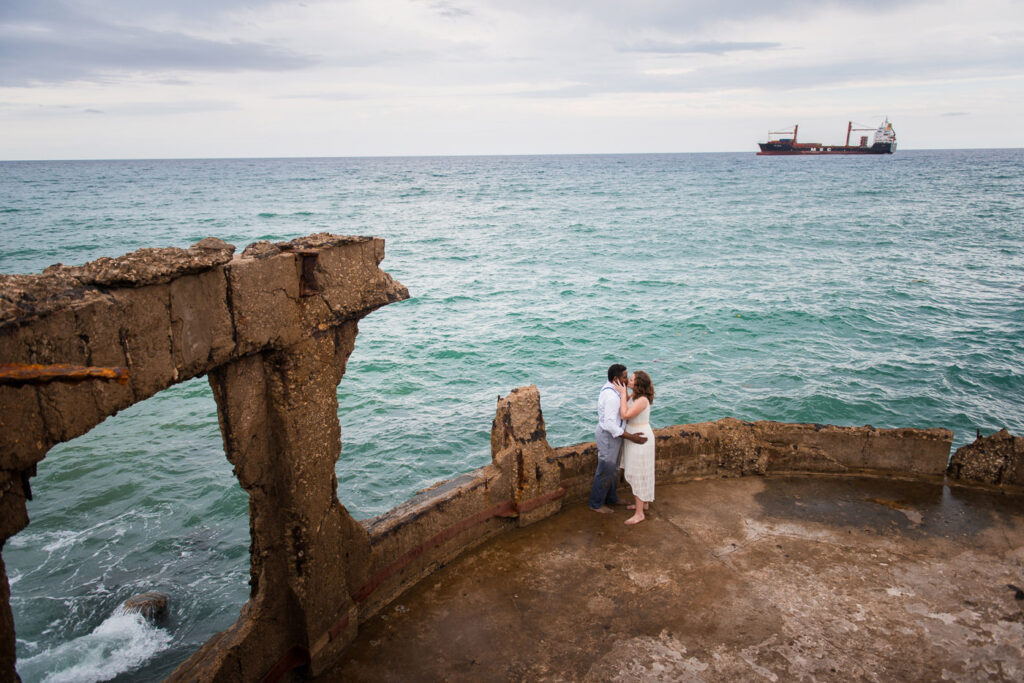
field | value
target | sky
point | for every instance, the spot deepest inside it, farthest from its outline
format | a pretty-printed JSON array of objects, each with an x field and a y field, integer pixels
[{"x": 100, "y": 79}]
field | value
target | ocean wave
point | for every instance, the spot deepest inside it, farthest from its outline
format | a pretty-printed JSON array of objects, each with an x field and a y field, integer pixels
[{"x": 122, "y": 643}]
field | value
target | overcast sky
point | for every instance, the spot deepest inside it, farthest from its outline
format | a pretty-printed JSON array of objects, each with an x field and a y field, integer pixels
[{"x": 257, "y": 78}]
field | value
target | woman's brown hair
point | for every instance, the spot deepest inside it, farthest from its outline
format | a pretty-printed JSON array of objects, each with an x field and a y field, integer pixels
[{"x": 643, "y": 386}]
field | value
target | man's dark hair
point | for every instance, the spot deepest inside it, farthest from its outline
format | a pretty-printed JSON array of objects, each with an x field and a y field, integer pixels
[{"x": 615, "y": 370}]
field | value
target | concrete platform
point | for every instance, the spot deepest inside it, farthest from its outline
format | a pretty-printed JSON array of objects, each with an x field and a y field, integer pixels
[{"x": 760, "y": 578}]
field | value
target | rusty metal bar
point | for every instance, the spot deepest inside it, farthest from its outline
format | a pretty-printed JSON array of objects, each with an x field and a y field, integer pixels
[{"x": 21, "y": 373}]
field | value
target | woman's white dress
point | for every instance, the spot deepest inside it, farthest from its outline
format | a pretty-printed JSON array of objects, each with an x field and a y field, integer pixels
[{"x": 638, "y": 458}]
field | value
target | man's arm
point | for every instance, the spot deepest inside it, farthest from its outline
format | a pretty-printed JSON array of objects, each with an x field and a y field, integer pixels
[
  {"x": 608, "y": 413},
  {"x": 608, "y": 417},
  {"x": 635, "y": 438}
]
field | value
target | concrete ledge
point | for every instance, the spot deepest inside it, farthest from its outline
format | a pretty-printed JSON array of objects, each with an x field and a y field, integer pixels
[
  {"x": 422, "y": 534},
  {"x": 733, "y": 448},
  {"x": 167, "y": 315}
]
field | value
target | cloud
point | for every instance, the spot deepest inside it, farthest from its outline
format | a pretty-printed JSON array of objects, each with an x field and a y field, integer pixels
[
  {"x": 145, "y": 109},
  {"x": 171, "y": 107},
  {"x": 711, "y": 48},
  {"x": 673, "y": 16},
  {"x": 876, "y": 72},
  {"x": 447, "y": 9},
  {"x": 127, "y": 11},
  {"x": 48, "y": 43}
]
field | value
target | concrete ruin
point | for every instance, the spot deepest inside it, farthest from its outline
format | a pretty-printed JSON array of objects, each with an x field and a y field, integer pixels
[
  {"x": 273, "y": 329},
  {"x": 997, "y": 460}
]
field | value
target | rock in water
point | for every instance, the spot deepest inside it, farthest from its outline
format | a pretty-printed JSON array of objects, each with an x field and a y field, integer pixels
[{"x": 152, "y": 606}]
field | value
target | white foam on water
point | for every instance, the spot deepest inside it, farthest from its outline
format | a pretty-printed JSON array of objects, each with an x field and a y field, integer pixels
[
  {"x": 123, "y": 642},
  {"x": 46, "y": 539},
  {"x": 62, "y": 539},
  {"x": 53, "y": 541}
]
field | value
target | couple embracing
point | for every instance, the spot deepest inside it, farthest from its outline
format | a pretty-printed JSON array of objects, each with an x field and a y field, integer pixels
[{"x": 623, "y": 425}]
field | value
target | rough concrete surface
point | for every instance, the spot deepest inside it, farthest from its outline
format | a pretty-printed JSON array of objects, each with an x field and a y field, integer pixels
[
  {"x": 995, "y": 459},
  {"x": 761, "y": 578}
]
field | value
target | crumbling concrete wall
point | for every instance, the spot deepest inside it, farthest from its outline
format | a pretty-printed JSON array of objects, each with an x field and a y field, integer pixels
[
  {"x": 734, "y": 448},
  {"x": 273, "y": 329},
  {"x": 520, "y": 486},
  {"x": 997, "y": 459},
  {"x": 528, "y": 480}
]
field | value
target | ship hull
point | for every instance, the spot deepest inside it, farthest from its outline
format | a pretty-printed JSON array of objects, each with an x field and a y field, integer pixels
[{"x": 790, "y": 149}]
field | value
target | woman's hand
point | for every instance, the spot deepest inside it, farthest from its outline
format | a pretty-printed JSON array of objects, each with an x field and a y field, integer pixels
[{"x": 621, "y": 388}]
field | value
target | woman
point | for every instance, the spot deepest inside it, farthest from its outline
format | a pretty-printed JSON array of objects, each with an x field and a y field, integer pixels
[{"x": 638, "y": 458}]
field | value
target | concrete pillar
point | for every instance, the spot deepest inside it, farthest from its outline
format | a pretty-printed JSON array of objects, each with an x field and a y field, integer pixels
[
  {"x": 302, "y": 384},
  {"x": 278, "y": 413},
  {"x": 6, "y": 625},
  {"x": 13, "y": 518},
  {"x": 519, "y": 442}
]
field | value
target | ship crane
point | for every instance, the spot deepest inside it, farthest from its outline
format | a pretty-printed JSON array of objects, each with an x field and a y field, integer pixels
[
  {"x": 850, "y": 129},
  {"x": 783, "y": 132}
]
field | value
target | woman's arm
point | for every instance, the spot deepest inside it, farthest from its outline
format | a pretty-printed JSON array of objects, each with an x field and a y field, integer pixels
[{"x": 629, "y": 412}]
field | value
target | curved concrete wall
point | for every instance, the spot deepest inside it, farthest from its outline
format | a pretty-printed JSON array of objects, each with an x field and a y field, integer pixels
[{"x": 528, "y": 480}]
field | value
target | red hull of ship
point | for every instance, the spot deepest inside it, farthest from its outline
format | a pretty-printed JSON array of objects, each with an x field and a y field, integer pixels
[{"x": 824, "y": 150}]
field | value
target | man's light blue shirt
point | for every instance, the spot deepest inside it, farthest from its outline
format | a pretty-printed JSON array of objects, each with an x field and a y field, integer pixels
[{"x": 608, "y": 411}]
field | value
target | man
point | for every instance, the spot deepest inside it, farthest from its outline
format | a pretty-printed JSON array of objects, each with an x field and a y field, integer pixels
[{"x": 611, "y": 430}]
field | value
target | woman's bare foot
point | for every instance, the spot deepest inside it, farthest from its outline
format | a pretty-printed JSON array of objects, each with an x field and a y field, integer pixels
[
  {"x": 635, "y": 519},
  {"x": 647, "y": 506}
]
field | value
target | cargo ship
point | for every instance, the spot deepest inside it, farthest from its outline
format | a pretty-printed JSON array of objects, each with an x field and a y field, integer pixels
[{"x": 884, "y": 142}]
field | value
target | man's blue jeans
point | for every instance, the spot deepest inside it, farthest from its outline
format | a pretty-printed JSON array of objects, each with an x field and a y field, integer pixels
[{"x": 606, "y": 478}]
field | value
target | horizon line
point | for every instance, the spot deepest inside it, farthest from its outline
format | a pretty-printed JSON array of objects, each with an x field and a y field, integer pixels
[{"x": 465, "y": 156}]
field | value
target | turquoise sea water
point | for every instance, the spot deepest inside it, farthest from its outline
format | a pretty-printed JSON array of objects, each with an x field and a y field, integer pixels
[{"x": 847, "y": 290}]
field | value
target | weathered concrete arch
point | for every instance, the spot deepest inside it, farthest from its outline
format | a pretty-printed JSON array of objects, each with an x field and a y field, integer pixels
[{"x": 273, "y": 329}]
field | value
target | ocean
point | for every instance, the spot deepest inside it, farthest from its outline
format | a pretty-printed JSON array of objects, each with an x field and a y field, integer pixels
[{"x": 884, "y": 290}]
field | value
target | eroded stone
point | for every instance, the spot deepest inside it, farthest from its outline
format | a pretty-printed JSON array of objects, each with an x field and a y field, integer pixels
[
  {"x": 152, "y": 606},
  {"x": 149, "y": 266},
  {"x": 997, "y": 459}
]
